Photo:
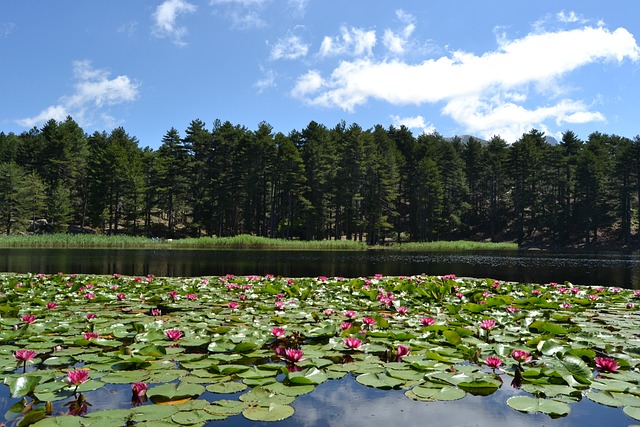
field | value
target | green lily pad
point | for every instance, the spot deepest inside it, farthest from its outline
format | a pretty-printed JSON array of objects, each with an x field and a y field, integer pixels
[
  {"x": 165, "y": 393},
  {"x": 273, "y": 412},
  {"x": 531, "y": 405},
  {"x": 381, "y": 381},
  {"x": 446, "y": 393}
]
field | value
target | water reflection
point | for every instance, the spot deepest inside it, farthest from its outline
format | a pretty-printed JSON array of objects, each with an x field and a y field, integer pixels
[
  {"x": 607, "y": 269},
  {"x": 344, "y": 402}
]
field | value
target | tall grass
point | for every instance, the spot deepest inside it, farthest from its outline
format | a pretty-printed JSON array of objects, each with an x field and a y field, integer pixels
[
  {"x": 458, "y": 245},
  {"x": 236, "y": 242},
  {"x": 121, "y": 241},
  {"x": 255, "y": 242}
]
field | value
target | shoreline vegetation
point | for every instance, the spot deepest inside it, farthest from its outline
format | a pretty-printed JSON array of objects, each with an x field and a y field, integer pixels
[{"x": 236, "y": 242}]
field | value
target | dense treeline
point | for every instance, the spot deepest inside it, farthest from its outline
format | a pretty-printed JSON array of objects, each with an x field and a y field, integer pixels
[{"x": 376, "y": 185}]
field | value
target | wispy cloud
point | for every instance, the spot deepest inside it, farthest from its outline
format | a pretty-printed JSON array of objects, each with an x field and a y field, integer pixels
[
  {"x": 485, "y": 93},
  {"x": 94, "y": 91},
  {"x": 243, "y": 14},
  {"x": 396, "y": 42},
  {"x": 351, "y": 41},
  {"x": 6, "y": 28},
  {"x": 128, "y": 28},
  {"x": 415, "y": 122},
  {"x": 291, "y": 47},
  {"x": 266, "y": 82},
  {"x": 165, "y": 20}
]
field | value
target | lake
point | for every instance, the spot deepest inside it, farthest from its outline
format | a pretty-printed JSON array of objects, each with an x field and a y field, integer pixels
[{"x": 587, "y": 268}]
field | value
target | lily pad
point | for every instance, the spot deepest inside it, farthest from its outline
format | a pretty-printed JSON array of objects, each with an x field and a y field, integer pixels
[{"x": 531, "y": 405}]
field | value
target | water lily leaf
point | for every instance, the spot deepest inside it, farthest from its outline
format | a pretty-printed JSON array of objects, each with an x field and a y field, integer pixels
[
  {"x": 273, "y": 412},
  {"x": 125, "y": 377},
  {"x": 153, "y": 351},
  {"x": 22, "y": 385},
  {"x": 59, "y": 361},
  {"x": 263, "y": 397},
  {"x": 549, "y": 327},
  {"x": 614, "y": 399},
  {"x": 226, "y": 407},
  {"x": 550, "y": 347},
  {"x": 295, "y": 390},
  {"x": 532, "y": 405},
  {"x": 61, "y": 421},
  {"x": 307, "y": 376},
  {"x": 148, "y": 413},
  {"x": 231, "y": 369},
  {"x": 173, "y": 392},
  {"x": 32, "y": 416},
  {"x": 381, "y": 381},
  {"x": 452, "y": 337},
  {"x": 256, "y": 373},
  {"x": 632, "y": 411},
  {"x": 195, "y": 416},
  {"x": 227, "y": 387},
  {"x": 90, "y": 386},
  {"x": 447, "y": 393}
]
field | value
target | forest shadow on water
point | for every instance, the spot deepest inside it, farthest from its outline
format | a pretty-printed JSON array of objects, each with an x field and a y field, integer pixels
[{"x": 603, "y": 268}]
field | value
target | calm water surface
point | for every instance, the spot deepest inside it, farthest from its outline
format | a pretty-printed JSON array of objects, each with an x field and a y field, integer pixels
[{"x": 608, "y": 269}]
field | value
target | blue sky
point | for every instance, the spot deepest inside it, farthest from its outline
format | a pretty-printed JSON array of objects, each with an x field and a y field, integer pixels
[{"x": 462, "y": 67}]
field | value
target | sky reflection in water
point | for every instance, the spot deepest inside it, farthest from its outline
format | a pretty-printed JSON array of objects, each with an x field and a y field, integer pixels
[{"x": 344, "y": 402}]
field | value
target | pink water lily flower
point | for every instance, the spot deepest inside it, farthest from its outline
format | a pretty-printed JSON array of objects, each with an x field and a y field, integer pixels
[
  {"x": 488, "y": 324},
  {"x": 91, "y": 316},
  {"x": 368, "y": 321},
  {"x": 278, "y": 332},
  {"x": 345, "y": 325},
  {"x": 427, "y": 321},
  {"x": 191, "y": 297},
  {"x": 28, "y": 319},
  {"x": 293, "y": 355},
  {"x": 24, "y": 355},
  {"x": 52, "y": 305},
  {"x": 403, "y": 350},
  {"x": 493, "y": 362},
  {"x": 156, "y": 312},
  {"x": 352, "y": 343},
  {"x": 173, "y": 334},
  {"x": 121, "y": 297},
  {"x": 90, "y": 335},
  {"x": 606, "y": 364},
  {"x": 232, "y": 305},
  {"x": 350, "y": 314},
  {"x": 77, "y": 377},
  {"x": 521, "y": 356},
  {"x": 139, "y": 389}
]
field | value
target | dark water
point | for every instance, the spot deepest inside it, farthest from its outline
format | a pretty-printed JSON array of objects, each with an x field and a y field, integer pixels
[{"x": 607, "y": 269}]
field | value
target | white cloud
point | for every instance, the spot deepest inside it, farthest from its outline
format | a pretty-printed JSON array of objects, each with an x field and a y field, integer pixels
[
  {"x": 165, "y": 18},
  {"x": 243, "y": 13},
  {"x": 298, "y": 7},
  {"x": 351, "y": 41},
  {"x": 416, "y": 122},
  {"x": 6, "y": 28},
  {"x": 291, "y": 47},
  {"x": 396, "y": 42},
  {"x": 268, "y": 81},
  {"x": 481, "y": 92},
  {"x": 128, "y": 28},
  {"x": 308, "y": 84},
  {"x": 94, "y": 91}
]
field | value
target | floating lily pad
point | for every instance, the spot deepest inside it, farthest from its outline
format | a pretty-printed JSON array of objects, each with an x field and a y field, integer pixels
[
  {"x": 532, "y": 405},
  {"x": 273, "y": 412}
]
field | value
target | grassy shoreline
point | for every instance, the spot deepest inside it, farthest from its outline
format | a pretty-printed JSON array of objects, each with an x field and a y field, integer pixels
[{"x": 237, "y": 242}]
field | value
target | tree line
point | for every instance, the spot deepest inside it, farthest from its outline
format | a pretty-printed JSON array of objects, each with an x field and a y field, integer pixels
[{"x": 376, "y": 185}]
